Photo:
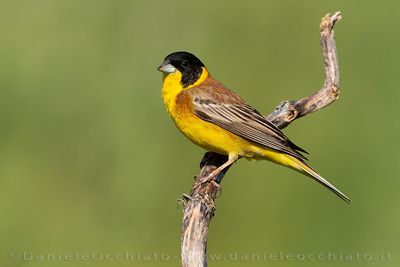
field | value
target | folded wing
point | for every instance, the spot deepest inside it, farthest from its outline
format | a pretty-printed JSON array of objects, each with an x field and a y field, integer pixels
[{"x": 235, "y": 116}]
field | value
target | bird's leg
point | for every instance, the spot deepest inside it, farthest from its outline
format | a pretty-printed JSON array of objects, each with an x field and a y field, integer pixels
[{"x": 231, "y": 159}]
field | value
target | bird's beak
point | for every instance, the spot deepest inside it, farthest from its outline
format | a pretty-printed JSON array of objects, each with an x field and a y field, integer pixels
[{"x": 166, "y": 67}]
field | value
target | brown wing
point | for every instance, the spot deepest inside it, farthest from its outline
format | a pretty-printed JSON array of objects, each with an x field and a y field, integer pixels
[{"x": 217, "y": 104}]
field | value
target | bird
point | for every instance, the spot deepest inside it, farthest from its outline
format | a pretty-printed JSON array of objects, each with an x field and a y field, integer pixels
[{"x": 217, "y": 119}]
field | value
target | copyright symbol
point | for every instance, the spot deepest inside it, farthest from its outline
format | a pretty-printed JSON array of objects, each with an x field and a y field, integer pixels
[{"x": 14, "y": 256}]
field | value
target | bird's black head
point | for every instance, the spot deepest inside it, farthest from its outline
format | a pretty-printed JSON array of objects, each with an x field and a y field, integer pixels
[{"x": 186, "y": 63}]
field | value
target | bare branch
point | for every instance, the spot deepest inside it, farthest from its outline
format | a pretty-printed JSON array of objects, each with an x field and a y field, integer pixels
[
  {"x": 199, "y": 206},
  {"x": 288, "y": 111}
]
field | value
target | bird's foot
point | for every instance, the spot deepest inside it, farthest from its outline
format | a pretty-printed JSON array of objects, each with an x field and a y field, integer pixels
[{"x": 208, "y": 179}]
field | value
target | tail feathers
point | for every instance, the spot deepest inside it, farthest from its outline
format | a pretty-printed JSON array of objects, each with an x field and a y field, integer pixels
[{"x": 307, "y": 170}]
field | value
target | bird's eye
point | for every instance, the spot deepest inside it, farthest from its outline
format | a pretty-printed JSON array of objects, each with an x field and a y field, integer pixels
[{"x": 185, "y": 63}]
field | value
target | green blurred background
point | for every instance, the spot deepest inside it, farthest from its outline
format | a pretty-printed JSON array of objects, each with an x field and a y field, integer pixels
[{"x": 91, "y": 163}]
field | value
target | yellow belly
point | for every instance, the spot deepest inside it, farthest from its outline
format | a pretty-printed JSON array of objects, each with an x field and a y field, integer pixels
[
  {"x": 216, "y": 139},
  {"x": 211, "y": 137}
]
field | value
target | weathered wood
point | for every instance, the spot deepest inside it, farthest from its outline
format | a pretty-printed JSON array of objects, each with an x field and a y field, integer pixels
[{"x": 199, "y": 207}]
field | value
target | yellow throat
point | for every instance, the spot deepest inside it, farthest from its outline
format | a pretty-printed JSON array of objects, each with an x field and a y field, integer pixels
[{"x": 172, "y": 86}]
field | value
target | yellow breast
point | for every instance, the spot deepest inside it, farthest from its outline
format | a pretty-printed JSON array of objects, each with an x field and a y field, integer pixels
[{"x": 200, "y": 132}]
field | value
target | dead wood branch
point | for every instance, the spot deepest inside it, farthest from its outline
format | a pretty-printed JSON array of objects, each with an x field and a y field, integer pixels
[{"x": 199, "y": 206}]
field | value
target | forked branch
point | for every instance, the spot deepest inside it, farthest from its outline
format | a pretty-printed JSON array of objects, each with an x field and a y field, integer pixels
[{"x": 199, "y": 206}]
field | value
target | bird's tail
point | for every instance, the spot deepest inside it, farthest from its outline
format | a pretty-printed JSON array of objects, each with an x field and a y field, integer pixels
[{"x": 303, "y": 168}]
